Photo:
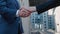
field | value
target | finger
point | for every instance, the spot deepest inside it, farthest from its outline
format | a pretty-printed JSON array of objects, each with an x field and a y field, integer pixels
[
  {"x": 28, "y": 10},
  {"x": 24, "y": 13},
  {"x": 25, "y": 10},
  {"x": 27, "y": 14}
]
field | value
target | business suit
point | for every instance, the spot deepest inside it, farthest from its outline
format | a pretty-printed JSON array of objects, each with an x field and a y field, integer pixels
[
  {"x": 47, "y": 5},
  {"x": 8, "y": 20}
]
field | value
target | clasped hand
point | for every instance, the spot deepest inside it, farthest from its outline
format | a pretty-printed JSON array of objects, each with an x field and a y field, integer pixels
[{"x": 24, "y": 12}]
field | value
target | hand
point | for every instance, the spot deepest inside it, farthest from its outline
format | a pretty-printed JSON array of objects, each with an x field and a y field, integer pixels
[
  {"x": 24, "y": 12},
  {"x": 30, "y": 9}
]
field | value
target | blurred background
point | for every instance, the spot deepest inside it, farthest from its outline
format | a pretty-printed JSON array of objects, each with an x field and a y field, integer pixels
[{"x": 44, "y": 23}]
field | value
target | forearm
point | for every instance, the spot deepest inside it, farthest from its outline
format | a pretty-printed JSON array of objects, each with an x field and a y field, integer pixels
[
  {"x": 7, "y": 12},
  {"x": 47, "y": 5}
]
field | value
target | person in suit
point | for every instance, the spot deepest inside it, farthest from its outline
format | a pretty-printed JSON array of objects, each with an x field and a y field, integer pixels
[
  {"x": 10, "y": 13},
  {"x": 44, "y": 6}
]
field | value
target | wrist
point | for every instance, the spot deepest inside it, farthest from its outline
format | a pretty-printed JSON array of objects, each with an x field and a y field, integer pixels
[{"x": 33, "y": 9}]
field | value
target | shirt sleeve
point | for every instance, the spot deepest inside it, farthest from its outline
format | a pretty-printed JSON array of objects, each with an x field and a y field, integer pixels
[{"x": 47, "y": 5}]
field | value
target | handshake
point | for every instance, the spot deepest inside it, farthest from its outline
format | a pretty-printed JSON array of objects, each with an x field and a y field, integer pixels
[{"x": 24, "y": 12}]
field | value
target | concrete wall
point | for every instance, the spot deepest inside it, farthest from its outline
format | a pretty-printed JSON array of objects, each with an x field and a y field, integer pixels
[
  {"x": 25, "y": 21},
  {"x": 57, "y": 20}
]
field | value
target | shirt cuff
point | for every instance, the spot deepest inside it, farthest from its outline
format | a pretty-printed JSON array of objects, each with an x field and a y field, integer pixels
[
  {"x": 17, "y": 13},
  {"x": 33, "y": 9}
]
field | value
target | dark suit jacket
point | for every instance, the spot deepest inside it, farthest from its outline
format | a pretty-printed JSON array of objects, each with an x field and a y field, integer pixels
[
  {"x": 8, "y": 20},
  {"x": 47, "y": 5}
]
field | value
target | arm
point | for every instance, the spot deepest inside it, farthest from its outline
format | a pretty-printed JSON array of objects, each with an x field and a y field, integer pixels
[
  {"x": 47, "y": 5},
  {"x": 6, "y": 12}
]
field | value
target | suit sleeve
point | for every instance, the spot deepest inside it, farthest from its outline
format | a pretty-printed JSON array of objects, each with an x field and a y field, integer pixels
[
  {"x": 47, "y": 5},
  {"x": 6, "y": 12}
]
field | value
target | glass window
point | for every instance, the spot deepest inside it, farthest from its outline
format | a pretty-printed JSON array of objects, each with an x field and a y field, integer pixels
[
  {"x": 44, "y": 27},
  {"x": 44, "y": 21}
]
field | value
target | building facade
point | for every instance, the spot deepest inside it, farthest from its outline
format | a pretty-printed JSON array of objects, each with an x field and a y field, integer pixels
[{"x": 51, "y": 22}]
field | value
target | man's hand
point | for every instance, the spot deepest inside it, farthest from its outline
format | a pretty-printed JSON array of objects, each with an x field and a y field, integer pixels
[
  {"x": 24, "y": 12},
  {"x": 30, "y": 9}
]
